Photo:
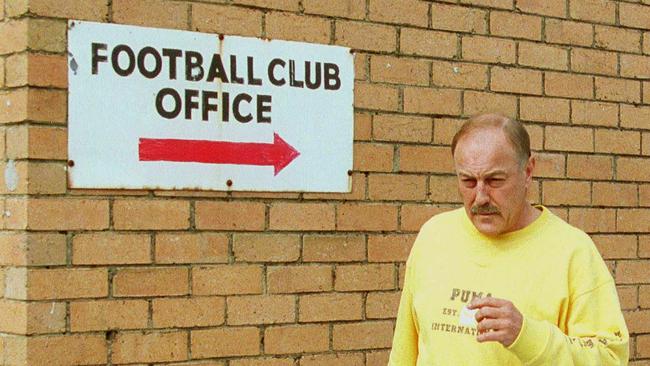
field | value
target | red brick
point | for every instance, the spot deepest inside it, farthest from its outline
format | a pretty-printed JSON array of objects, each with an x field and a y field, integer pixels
[
  {"x": 288, "y": 5},
  {"x": 569, "y": 138},
  {"x": 373, "y": 157},
  {"x": 617, "y": 141},
  {"x": 31, "y": 249},
  {"x": 131, "y": 347},
  {"x": 634, "y": 169},
  {"x": 399, "y": 70},
  {"x": 111, "y": 248},
  {"x": 266, "y": 247},
  {"x": 386, "y": 11},
  {"x": 67, "y": 214},
  {"x": 514, "y": 25},
  {"x": 191, "y": 248},
  {"x": 157, "y": 281},
  {"x": 568, "y": 32},
  {"x": 554, "y": 8},
  {"x": 78, "y": 9},
  {"x": 297, "y": 27},
  {"x": 393, "y": 187},
  {"x": 501, "y": 4},
  {"x": 15, "y": 36},
  {"x": 366, "y": 217},
  {"x": 616, "y": 246},
  {"x": 389, "y": 248},
  {"x": 362, "y": 126},
  {"x": 333, "y": 248},
  {"x": 37, "y": 142},
  {"x": 566, "y": 193},
  {"x": 602, "y": 11},
  {"x": 365, "y": 277},
  {"x": 301, "y": 278},
  {"x": 267, "y": 361},
  {"x": 301, "y": 216},
  {"x": 442, "y": 189},
  {"x": 614, "y": 194},
  {"x": 634, "y": 116},
  {"x": 593, "y": 220},
  {"x": 47, "y": 35},
  {"x": 549, "y": 165},
  {"x": 568, "y": 85},
  {"x": 296, "y": 339},
  {"x": 88, "y": 349},
  {"x": 230, "y": 215},
  {"x": 635, "y": 66},
  {"x": 330, "y": 307},
  {"x": 393, "y": 127},
  {"x": 428, "y": 43},
  {"x": 445, "y": 129},
  {"x": 188, "y": 312},
  {"x": 633, "y": 220},
  {"x": 618, "y": 90},
  {"x": 382, "y": 305},
  {"x": 642, "y": 349},
  {"x": 432, "y": 101},
  {"x": 543, "y": 56},
  {"x": 644, "y": 296},
  {"x": 488, "y": 49},
  {"x": 365, "y": 36},
  {"x": 337, "y": 8},
  {"x": 151, "y": 215},
  {"x": 228, "y": 20},
  {"x": 339, "y": 359},
  {"x": 29, "y": 318},
  {"x": 628, "y": 297},
  {"x": 513, "y": 80},
  {"x": 480, "y": 102},
  {"x": 594, "y": 61},
  {"x": 37, "y": 70},
  {"x": 60, "y": 283},
  {"x": 377, "y": 358},
  {"x": 227, "y": 280},
  {"x": 366, "y": 335},
  {"x": 223, "y": 342},
  {"x": 635, "y": 16},
  {"x": 594, "y": 113},
  {"x": 637, "y": 321},
  {"x": 96, "y": 315},
  {"x": 459, "y": 75},
  {"x": 161, "y": 14},
  {"x": 372, "y": 96},
  {"x": 618, "y": 39},
  {"x": 552, "y": 110},
  {"x": 600, "y": 166},
  {"x": 261, "y": 309},
  {"x": 458, "y": 18},
  {"x": 426, "y": 159}
]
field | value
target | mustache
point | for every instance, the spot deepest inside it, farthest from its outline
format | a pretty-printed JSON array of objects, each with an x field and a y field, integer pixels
[{"x": 485, "y": 209}]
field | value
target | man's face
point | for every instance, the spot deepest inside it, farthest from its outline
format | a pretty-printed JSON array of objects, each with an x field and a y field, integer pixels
[{"x": 492, "y": 182}]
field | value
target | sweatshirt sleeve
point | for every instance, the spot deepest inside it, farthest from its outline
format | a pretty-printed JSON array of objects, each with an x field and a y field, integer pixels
[
  {"x": 405, "y": 339},
  {"x": 596, "y": 334}
]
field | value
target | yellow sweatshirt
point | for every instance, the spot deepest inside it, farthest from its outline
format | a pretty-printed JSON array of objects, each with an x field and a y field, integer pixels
[{"x": 549, "y": 270}]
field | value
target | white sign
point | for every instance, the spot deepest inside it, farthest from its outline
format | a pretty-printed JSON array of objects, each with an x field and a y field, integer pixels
[{"x": 154, "y": 108}]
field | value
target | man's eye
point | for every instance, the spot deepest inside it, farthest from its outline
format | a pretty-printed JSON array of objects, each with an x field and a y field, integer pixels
[{"x": 469, "y": 182}]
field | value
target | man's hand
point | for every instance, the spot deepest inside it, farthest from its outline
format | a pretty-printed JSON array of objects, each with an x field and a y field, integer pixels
[{"x": 498, "y": 320}]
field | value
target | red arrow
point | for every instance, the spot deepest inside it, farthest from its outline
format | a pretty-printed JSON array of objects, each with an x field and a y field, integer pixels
[{"x": 279, "y": 153}]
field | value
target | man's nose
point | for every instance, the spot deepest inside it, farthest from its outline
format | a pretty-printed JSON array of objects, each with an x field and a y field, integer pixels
[{"x": 482, "y": 196}]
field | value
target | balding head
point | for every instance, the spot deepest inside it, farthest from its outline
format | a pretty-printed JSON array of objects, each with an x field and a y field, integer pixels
[{"x": 513, "y": 130}]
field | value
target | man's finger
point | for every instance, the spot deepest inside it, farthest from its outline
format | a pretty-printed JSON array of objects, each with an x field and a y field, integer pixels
[
  {"x": 489, "y": 312},
  {"x": 487, "y": 301},
  {"x": 491, "y": 324},
  {"x": 494, "y": 336}
]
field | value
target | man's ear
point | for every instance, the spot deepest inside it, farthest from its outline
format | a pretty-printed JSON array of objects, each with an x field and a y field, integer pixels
[{"x": 530, "y": 167}]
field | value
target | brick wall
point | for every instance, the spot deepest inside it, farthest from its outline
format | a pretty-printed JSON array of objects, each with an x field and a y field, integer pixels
[{"x": 275, "y": 279}]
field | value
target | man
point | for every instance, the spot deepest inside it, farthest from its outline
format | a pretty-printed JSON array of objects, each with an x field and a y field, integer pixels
[{"x": 500, "y": 282}]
